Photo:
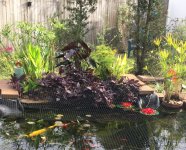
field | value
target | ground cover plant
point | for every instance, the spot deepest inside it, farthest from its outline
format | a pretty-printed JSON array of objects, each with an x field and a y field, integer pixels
[{"x": 82, "y": 88}]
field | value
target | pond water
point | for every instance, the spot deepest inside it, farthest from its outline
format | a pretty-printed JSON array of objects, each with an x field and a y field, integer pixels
[{"x": 94, "y": 130}]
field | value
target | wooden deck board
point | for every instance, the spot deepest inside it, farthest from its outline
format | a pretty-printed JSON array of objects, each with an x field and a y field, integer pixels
[
  {"x": 145, "y": 78},
  {"x": 7, "y": 91}
]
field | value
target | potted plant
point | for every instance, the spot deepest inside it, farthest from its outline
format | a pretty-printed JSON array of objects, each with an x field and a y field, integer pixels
[
  {"x": 172, "y": 61},
  {"x": 172, "y": 88}
]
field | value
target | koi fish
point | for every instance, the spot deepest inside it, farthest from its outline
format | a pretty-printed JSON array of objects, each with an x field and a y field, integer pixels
[
  {"x": 41, "y": 131},
  {"x": 38, "y": 132}
]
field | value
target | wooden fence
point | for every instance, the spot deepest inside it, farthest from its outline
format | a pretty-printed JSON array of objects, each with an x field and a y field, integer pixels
[{"x": 12, "y": 11}]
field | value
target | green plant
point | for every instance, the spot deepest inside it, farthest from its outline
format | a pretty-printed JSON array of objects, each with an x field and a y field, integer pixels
[
  {"x": 31, "y": 44},
  {"x": 35, "y": 63},
  {"x": 61, "y": 31},
  {"x": 79, "y": 14},
  {"x": 121, "y": 66},
  {"x": 172, "y": 59},
  {"x": 22, "y": 34},
  {"x": 6, "y": 61},
  {"x": 148, "y": 22},
  {"x": 159, "y": 88},
  {"x": 104, "y": 56},
  {"x": 108, "y": 63}
]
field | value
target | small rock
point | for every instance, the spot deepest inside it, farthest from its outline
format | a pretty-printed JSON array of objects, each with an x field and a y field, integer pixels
[{"x": 30, "y": 122}]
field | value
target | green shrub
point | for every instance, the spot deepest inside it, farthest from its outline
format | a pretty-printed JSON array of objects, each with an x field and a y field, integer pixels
[
  {"x": 109, "y": 63},
  {"x": 172, "y": 59},
  {"x": 104, "y": 56},
  {"x": 172, "y": 55},
  {"x": 22, "y": 34}
]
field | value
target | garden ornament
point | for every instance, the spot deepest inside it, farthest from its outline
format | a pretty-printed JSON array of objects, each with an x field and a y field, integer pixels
[
  {"x": 150, "y": 101},
  {"x": 18, "y": 70}
]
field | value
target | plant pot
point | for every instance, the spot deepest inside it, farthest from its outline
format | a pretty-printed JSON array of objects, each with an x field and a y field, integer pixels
[
  {"x": 184, "y": 104},
  {"x": 174, "y": 105}
]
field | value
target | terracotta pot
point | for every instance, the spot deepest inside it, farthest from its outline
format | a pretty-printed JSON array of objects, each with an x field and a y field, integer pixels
[{"x": 174, "y": 106}]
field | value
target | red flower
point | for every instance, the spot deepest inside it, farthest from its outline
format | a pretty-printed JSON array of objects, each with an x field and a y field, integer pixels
[
  {"x": 148, "y": 111},
  {"x": 174, "y": 79},
  {"x": 171, "y": 72},
  {"x": 126, "y": 104},
  {"x": 9, "y": 49},
  {"x": 65, "y": 126}
]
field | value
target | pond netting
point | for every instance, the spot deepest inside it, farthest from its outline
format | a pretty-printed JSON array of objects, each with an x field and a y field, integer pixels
[{"x": 98, "y": 127}]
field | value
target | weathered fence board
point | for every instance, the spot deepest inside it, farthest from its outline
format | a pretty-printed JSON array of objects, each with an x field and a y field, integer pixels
[
  {"x": 105, "y": 16},
  {"x": 12, "y": 11}
]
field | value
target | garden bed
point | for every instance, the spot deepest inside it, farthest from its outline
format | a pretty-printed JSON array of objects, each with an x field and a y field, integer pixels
[{"x": 73, "y": 102}]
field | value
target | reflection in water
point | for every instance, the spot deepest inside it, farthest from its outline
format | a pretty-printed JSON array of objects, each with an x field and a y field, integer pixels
[
  {"x": 156, "y": 133},
  {"x": 169, "y": 132},
  {"x": 124, "y": 135}
]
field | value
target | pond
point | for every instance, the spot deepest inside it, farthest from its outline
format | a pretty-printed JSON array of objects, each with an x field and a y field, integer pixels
[{"x": 94, "y": 130}]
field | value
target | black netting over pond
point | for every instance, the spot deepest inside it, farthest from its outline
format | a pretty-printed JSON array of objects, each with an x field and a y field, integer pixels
[{"x": 90, "y": 128}]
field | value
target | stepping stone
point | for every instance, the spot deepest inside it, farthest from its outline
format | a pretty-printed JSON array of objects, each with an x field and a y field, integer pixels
[
  {"x": 143, "y": 89},
  {"x": 7, "y": 91}
]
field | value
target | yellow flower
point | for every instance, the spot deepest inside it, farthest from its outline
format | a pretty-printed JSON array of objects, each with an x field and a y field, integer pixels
[
  {"x": 169, "y": 39},
  {"x": 157, "y": 41},
  {"x": 164, "y": 54}
]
